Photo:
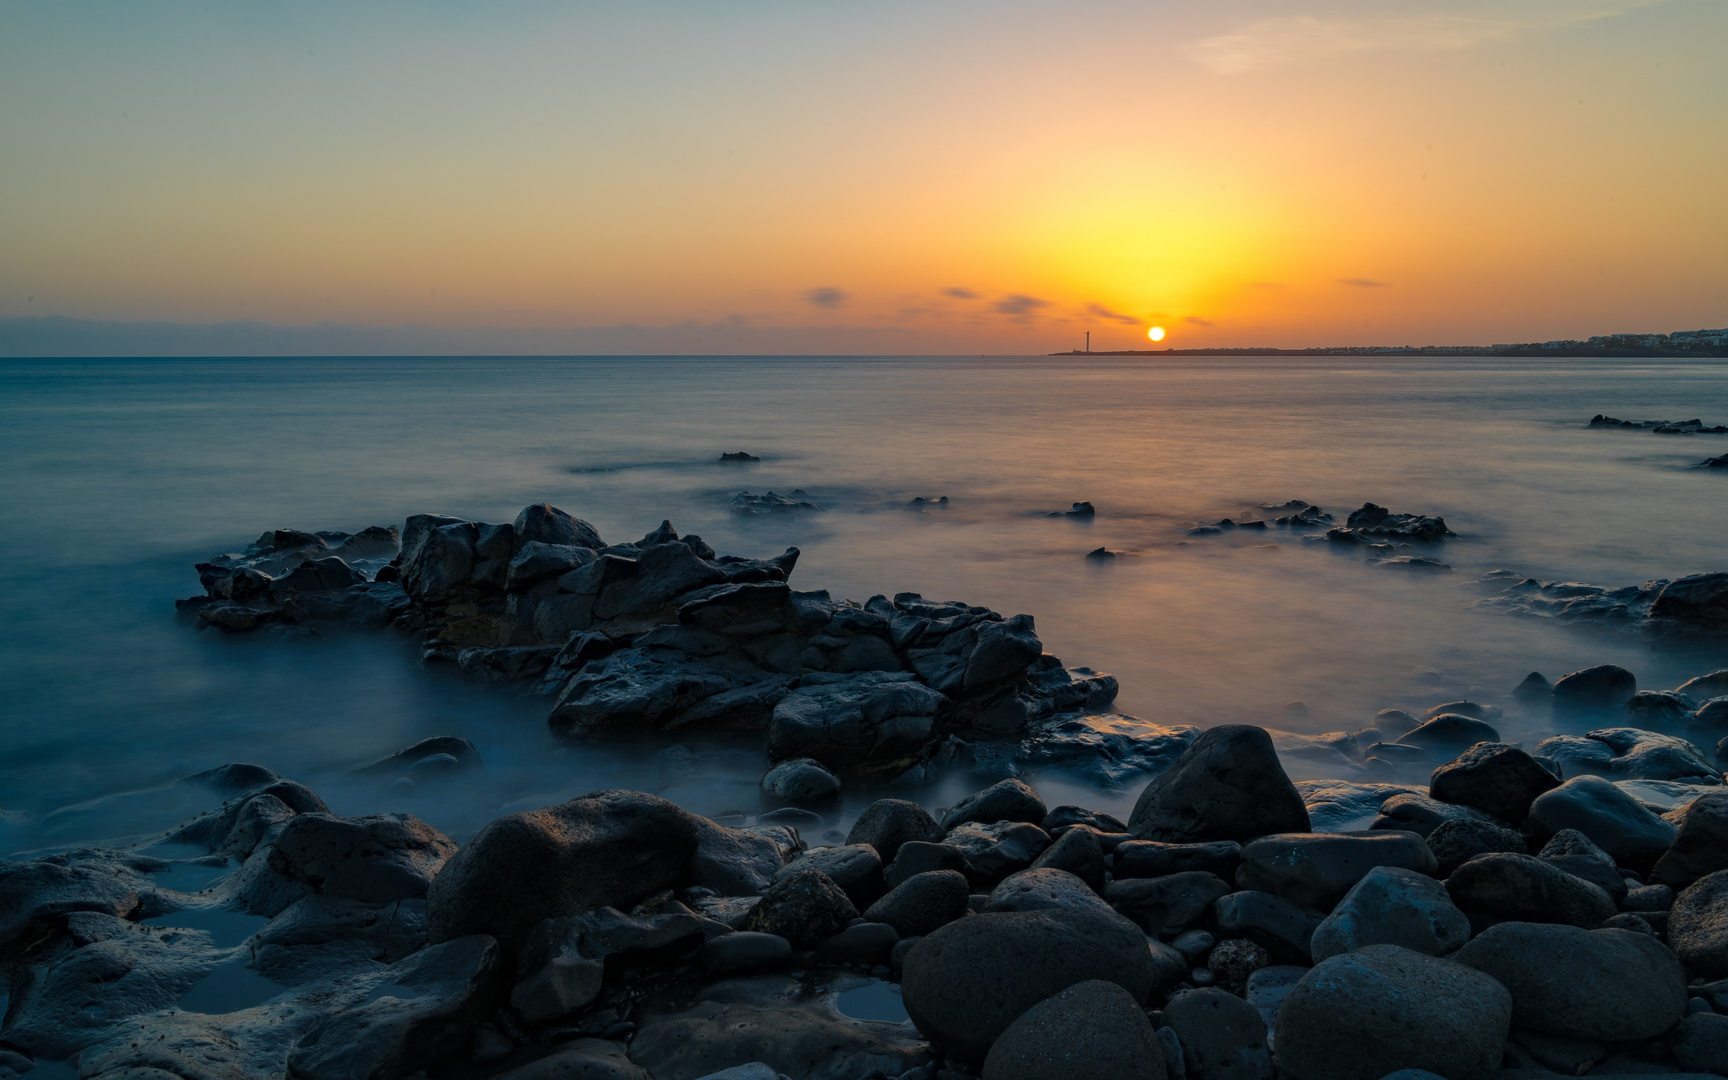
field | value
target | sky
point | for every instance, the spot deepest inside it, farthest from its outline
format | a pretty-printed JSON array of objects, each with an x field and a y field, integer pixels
[{"x": 863, "y": 177}]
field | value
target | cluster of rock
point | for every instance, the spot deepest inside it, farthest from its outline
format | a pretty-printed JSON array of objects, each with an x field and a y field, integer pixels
[
  {"x": 1660, "y": 427},
  {"x": 1692, "y": 605},
  {"x": 1385, "y": 538},
  {"x": 1503, "y": 921},
  {"x": 664, "y": 635}
]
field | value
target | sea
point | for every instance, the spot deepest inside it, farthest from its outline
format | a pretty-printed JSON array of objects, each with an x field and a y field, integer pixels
[{"x": 116, "y": 476}]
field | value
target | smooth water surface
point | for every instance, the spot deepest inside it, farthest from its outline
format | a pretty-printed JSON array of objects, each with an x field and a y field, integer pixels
[{"x": 119, "y": 475}]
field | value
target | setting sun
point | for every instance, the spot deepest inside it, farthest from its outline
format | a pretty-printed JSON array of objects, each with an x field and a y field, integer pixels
[{"x": 1156, "y": 333}]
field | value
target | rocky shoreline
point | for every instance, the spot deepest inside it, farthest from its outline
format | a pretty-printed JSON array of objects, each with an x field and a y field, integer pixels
[{"x": 1447, "y": 904}]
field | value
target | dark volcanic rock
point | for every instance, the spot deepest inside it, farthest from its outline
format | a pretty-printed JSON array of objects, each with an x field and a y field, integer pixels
[
  {"x": 1601, "y": 687},
  {"x": 1036, "y": 890},
  {"x": 1455, "y": 843},
  {"x": 34, "y": 894},
  {"x": 1700, "y": 1041},
  {"x": 1282, "y": 927},
  {"x": 1366, "y": 1014},
  {"x": 1228, "y": 785},
  {"x": 1698, "y": 602},
  {"x": 1222, "y": 1036},
  {"x": 1149, "y": 858},
  {"x": 1093, "y": 1030},
  {"x": 1573, "y": 852},
  {"x": 375, "y": 860},
  {"x": 995, "y": 851},
  {"x": 967, "y": 982},
  {"x": 856, "y": 868},
  {"x": 609, "y": 849},
  {"x": 1078, "y": 852},
  {"x": 1006, "y": 800},
  {"x": 1495, "y": 778},
  {"x": 550, "y": 525},
  {"x": 1613, "y": 820},
  {"x": 920, "y": 857},
  {"x": 1317, "y": 869},
  {"x": 1613, "y": 985},
  {"x": 1659, "y": 706},
  {"x": 1701, "y": 847},
  {"x": 1449, "y": 734},
  {"x": 1393, "y": 906},
  {"x": 922, "y": 903},
  {"x": 868, "y": 721},
  {"x": 888, "y": 823},
  {"x": 803, "y": 906},
  {"x": 461, "y": 750},
  {"x": 1526, "y": 888},
  {"x": 1698, "y": 925},
  {"x": 1166, "y": 906}
]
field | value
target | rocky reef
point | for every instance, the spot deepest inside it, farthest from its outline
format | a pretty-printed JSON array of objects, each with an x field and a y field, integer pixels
[{"x": 1692, "y": 606}]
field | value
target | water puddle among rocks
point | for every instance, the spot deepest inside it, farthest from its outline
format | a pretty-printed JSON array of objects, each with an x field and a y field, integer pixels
[
  {"x": 876, "y": 1000},
  {"x": 229, "y": 987},
  {"x": 190, "y": 877},
  {"x": 226, "y": 927}
]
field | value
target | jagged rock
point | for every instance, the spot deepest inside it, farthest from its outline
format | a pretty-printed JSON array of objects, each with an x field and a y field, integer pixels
[
  {"x": 375, "y": 860},
  {"x": 1456, "y": 842},
  {"x": 1166, "y": 906},
  {"x": 318, "y": 935},
  {"x": 1006, "y": 800},
  {"x": 994, "y": 851},
  {"x": 1108, "y": 749},
  {"x": 922, "y": 903},
  {"x": 633, "y": 691},
  {"x": 1615, "y": 821},
  {"x": 1700, "y": 847},
  {"x": 869, "y": 721},
  {"x": 1222, "y": 1036},
  {"x": 1228, "y": 785},
  {"x": 1498, "y": 779},
  {"x": 1601, "y": 687},
  {"x": 1522, "y": 887},
  {"x": 609, "y": 849},
  {"x": 1233, "y": 961},
  {"x": 34, "y": 894},
  {"x": 1373, "y": 520},
  {"x": 801, "y": 780},
  {"x": 968, "y": 981},
  {"x": 856, "y": 868},
  {"x": 1392, "y": 906},
  {"x": 550, "y": 525},
  {"x": 1035, "y": 890},
  {"x": 1317, "y": 869},
  {"x": 1612, "y": 985},
  {"x": 1149, "y": 858},
  {"x": 886, "y": 824},
  {"x": 1093, "y": 1030},
  {"x": 803, "y": 906},
  {"x": 1430, "y": 1014}
]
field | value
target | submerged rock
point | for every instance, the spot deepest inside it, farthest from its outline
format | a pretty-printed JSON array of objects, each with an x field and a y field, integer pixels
[{"x": 1602, "y": 687}]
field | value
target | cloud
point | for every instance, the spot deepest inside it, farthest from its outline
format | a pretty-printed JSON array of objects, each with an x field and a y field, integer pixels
[
  {"x": 960, "y": 294},
  {"x": 1364, "y": 283},
  {"x": 826, "y": 296},
  {"x": 1305, "y": 38},
  {"x": 1105, "y": 313},
  {"x": 1019, "y": 305},
  {"x": 1195, "y": 320}
]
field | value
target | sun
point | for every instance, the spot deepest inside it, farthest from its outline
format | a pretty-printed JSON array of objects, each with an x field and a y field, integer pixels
[{"x": 1156, "y": 333}]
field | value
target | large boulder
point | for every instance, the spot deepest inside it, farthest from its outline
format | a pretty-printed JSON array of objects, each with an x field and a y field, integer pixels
[
  {"x": 1368, "y": 1013},
  {"x": 608, "y": 849},
  {"x": 803, "y": 905},
  {"x": 1006, "y": 800},
  {"x": 549, "y": 525},
  {"x": 1612, "y": 985},
  {"x": 1523, "y": 887},
  {"x": 375, "y": 860},
  {"x": 1701, "y": 846},
  {"x": 801, "y": 780},
  {"x": 1698, "y": 925},
  {"x": 1392, "y": 906},
  {"x": 1695, "y": 602},
  {"x": 1228, "y": 785},
  {"x": 1317, "y": 869},
  {"x": 1605, "y": 686},
  {"x": 319, "y": 936},
  {"x": 874, "y": 721},
  {"x": 888, "y": 823},
  {"x": 922, "y": 903},
  {"x": 1222, "y": 1036},
  {"x": 1148, "y": 858},
  {"x": 1093, "y": 1030},
  {"x": 966, "y": 982},
  {"x": 1619, "y": 824},
  {"x": 1166, "y": 906},
  {"x": 1498, "y": 779}
]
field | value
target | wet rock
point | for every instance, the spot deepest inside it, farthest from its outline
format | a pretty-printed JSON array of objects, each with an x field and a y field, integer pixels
[
  {"x": 1108, "y": 750},
  {"x": 803, "y": 906},
  {"x": 1455, "y": 843},
  {"x": 1429, "y": 1013},
  {"x": 1472, "y": 709},
  {"x": 1317, "y": 869},
  {"x": 564, "y": 961},
  {"x": 634, "y": 691},
  {"x": 579, "y": 1059},
  {"x": 1267, "y": 988},
  {"x": 967, "y": 982},
  {"x": 1228, "y": 785},
  {"x": 994, "y": 851},
  {"x": 550, "y": 525},
  {"x": 319, "y": 935},
  {"x": 864, "y": 944},
  {"x": 888, "y": 823},
  {"x": 34, "y": 894},
  {"x": 375, "y": 860},
  {"x": 609, "y": 849},
  {"x": 1222, "y": 1036},
  {"x": 1573, "y": 852},
  {"x": 741, "y": 862},
  {"x": 1649, "y": 898},
  {"x": 1614, "y": 820},
  {"x": 922, "y": 903},
  {"x": 745, "y": 951},
  {"x": 1194, "y": 945},
  {"x": 1061, "y": 816},
  {"x": 1450, "y": 734},
  {"x": 1700, "y": 847},
  {"x": 1233, "y": 961},
  {"x": 1522, "y": 887},
  {"x": 454, "y": 746},
  {"x": 1496, "y": 778},
  {"x": 1705, "y": 687},
  {"x": 1392, "y": 906},
  {"x": 1698, "y": 925},
  {"x": 1659, "y": 706},
  {"x": 1422, "y": 814},
  {"x": 869, "y": 721},
  {"x": 1078, "y": 852},
  {"x": 242, "y": 821},
  {"x": 434, "y": 1001},
  {"x": 1006, "y": 800},
  {"x": 1612, "y": 985},
  {"x": 801, "y": 780},
  {"x": 1166, "y": 906},
  {"x": 1649, "y": 755},
  {"x": 856, "y": 868},
  {"x": 1535, "y": 687},
  {"x": 918, "y": 857},
  {"x": 1282, "y": 927},
  {"x": 1576, "y": 755},
  {"x": 1696, "y": 602},
  {"x": 1035, "y": 890},
  {"x": 1700, "y": 1043},
  {"x": 1093, "y": 1030},
  {"x": 1373, "y": 520},
  {"x": 739, "y": 457},
  {"x": 1604, "y": 686},
  {"x": 1149, "y": 858}
]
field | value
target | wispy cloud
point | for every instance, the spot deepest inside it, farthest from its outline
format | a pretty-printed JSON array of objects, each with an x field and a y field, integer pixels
[
  {"x": 1364, "y": 283},
  {"x": 1019, "y": 305},
  {"x": 1301, "y": 38},
  {"x": 960, "y": 294},
  {"x": 1103, "y": 312},
  {"x": 826, "y": 296},
  {"x": 1195, "y": 320}
]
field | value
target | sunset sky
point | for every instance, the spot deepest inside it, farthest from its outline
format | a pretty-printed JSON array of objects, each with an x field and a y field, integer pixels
[{"x": 758, "y": 176}]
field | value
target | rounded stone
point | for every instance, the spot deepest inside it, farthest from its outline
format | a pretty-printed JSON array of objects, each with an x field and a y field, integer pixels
[
  {"x": 1698, "y": 925},
  {"x": 1317, "y": 869},
  {"x": 887, "y": 823},
  {"x": 1495, "y": 778},
  {"x": 1232, "y": 961},
  {"x": 1529, "y": 889},
  {"x": 801, "y": 780},
  {"x": 1222, "y": 1036},
  {"x": 1006, "y": 800},
  {"x": 1393, "y": 906},
  {"x": 1700, "y": 1043},
  {"x": 922, "y": 903},
  {"x": 802, "y": 906},
  {"x": 1604, "y": 686},
  {"x": 1034, "y": 890},
  {"x": 1616, "y": 822},
  {"x": 1094, "y": 1030}
]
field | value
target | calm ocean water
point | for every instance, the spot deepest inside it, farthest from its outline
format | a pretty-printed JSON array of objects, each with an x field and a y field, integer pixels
[{"x": 118, "y": 475}]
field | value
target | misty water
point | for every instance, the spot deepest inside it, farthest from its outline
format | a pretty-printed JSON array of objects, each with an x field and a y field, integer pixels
[{"x": 119, "y": 475}]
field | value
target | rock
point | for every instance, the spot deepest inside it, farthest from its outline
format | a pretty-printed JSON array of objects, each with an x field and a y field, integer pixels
[
  {"x": 740, "y": 862},
  {"x": 375, "y": 860},
  {"x": 739, "y": 457},
  {"x": 1649, "y": 898},
  {"x": 1093, "y": 1030},
  {"x": 463, "y": 751},
  {"x": 35, "y": 894},
  {"x": 994, "y": 851},
  {"x": 1612, "y": 985},
  {"x": 1700, "y": 1043},
  {"x": 1471, "y": 709},
  {"x": 563, "y": 964},
  {"x": 1659, "y": 706},
  {"x": 1572, "y": 851},
  {"x": 918, "y": 857},
  {"x": 1450, "y": 734},
  {"x": 1698, "y": 925},
  {"x": 1317, "y": 869},
  {"x": 864, "y": 944},
  {"x": 1428, "y": 1013},
  {"x": 1062, "y": 816},
  {"x": 1373, "y": 520},
  {"x": 609, "y": 849},
  {"x": 1455, "y": 843},
  {"x": 967, "y": 982},
  {"x": 1035, "y": 890},
  {"x": 1696, "y": 602},
  {"x": 1148, "y": 858},
  {"x": 1604, "y": 686},
  {"x": 1078, "y": 852},
  {"x": 434, "y": 1001},
  {"x": 1498, "y": 779},
  {"x": 1392, "y": 906},
  {"x": 803, "y": 906},
  {"x": 888, "y": 823},
  {"x": 320, "y": 935},
  {"x": 1701, "y": 846},
  {"x": 550, "y": 525},
  {"x": 1228, "y": 785},
  {"x": 745, "y": 951},
  {"x": 1007, "y": 800},
  {"x": 1268, "y": 987},
  {"x": 1419, "y": 813},
  {"x": 1705, "y": 687},
  {"x": 1166, "y": 906},
  {"x": 856, "y": 868},
  {"x": 1232, "y": 962},
  {"x": 1194, "y": 945},
  {"x": 1575, "y": 755},
  {"x": 801, "y": 780},
  {"x": 1649, "y": 755},
  {"x": 1223, "y": 1037},
  {"x": 867, "y": 721},
  {"x": 579, "y": 1059},
  {"x": 922, "y": 903},
  {"x": 1521, "y": 887},
  {"x": 1614, "y": 820},
  {"x": 1535, "y": 687},
  {"x": 1276, "y": 923}
]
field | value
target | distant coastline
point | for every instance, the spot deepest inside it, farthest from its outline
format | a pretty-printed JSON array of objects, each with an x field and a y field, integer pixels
[{"x": 1678, "y": 345}]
